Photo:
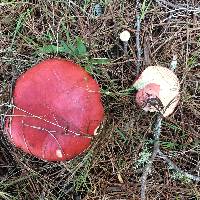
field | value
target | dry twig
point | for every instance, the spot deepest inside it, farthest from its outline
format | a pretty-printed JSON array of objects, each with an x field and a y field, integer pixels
[
  {"x": 138, "y": 63},
  {"x": 181, "y": 7},
  {"x": 174, "y": 166},
  {"x": 147, "y": 169}
]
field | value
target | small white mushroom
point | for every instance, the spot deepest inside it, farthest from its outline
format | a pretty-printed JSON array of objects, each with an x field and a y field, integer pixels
[{"x": 124, "y": 37}]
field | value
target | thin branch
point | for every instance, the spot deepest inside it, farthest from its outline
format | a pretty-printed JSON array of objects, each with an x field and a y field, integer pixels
[
  {"x": 45, "y": 130},
  {"x": 147, "y": 169},
  {"x": 81, "y": 134},
  {"x": 11, "y": 3},
  {"x": 174, "y": 166},
  {"x": 138, "y": 64},
  {"x": 157, "y": 151},
  {"x": 181, "y": 7}
]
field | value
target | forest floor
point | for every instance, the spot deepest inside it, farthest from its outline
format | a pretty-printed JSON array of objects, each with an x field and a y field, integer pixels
[{"x": 112, "y": 167}]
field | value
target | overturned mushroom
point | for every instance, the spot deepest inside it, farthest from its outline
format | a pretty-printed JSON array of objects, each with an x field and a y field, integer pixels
[
  {"x": 57, "y": 110},
  {"x": 158, "y": 90}
]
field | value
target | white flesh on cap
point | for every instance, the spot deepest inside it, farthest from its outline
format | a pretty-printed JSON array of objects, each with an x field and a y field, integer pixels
[
  {"x": 95, "y": 131},
  {"x": 59, "y": 153}
]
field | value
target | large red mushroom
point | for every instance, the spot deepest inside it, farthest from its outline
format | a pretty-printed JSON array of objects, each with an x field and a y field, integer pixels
[
  {"x": 56, "y": 110},
  {"x": 158, "y": 90}
]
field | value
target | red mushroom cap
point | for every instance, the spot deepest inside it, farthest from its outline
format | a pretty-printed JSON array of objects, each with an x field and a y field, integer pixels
[{"x": 57, "y": 109}]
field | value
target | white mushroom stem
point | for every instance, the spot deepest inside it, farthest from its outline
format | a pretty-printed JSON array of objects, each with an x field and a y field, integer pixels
[
  {"x": 125, "y": 48},
  {"x": 173, "y": 64}
]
